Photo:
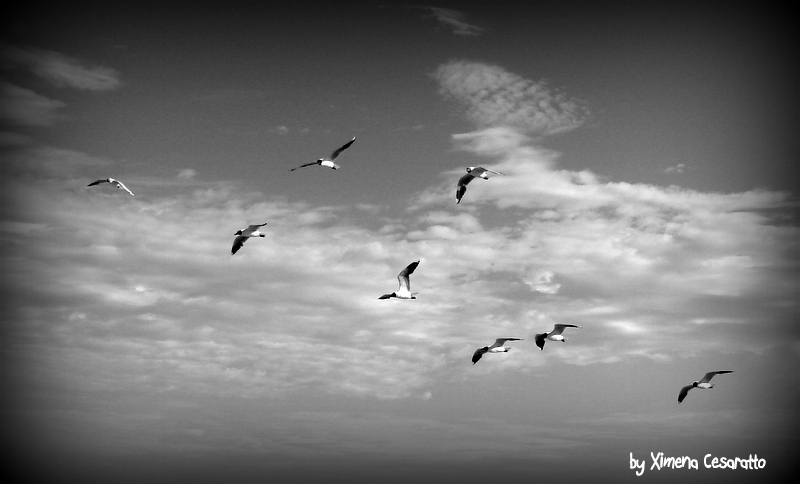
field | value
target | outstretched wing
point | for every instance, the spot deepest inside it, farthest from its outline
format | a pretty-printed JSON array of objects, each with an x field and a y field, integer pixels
[
  {"x": 684, "y": 392},
  {"x": 494, "y": 172},
  {"x": 477, "y": 355},
  {"x": 123, "y": 187},
  {"x": 464, "y": 180},
  {"x": 402, "y": 278},
  {"x": 344, "y": 147},
  {"x": 484, "y": 172},
  {"x": 540, "y": 339},
  {"x": 559, "y": 328},
  {"x": 460, "y": 191},
  {"x": 253, "y": 228},
  {"x": 708, "y": 376},
  {"x": 303, "y": 166},
  {"x": 104, "y": 180},
  {"x": 501, "y": 341},
  {"x": 238, "y": 242}
]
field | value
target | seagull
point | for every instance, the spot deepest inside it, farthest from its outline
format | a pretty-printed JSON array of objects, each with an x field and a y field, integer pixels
[
  {"x": 242, "y": 235},
  {"x": 112, "y": 181},
  {"x": 472, "y": 173},
  {"x": 701, "y": 383},
  {"x": 404, "y": 292},
  {"x": 329, "y": 161},
  {"x": 497, "y": 347},
  {"x": 554, "y": 335}
]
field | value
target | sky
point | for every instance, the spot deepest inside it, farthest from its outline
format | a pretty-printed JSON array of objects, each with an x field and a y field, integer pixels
[{"x": 649, "y": 196}]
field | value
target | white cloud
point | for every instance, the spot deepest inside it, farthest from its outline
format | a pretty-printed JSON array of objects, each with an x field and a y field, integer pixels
[
  {"x": 61, "y": 70},
  {"x": 678, "y": 169},
  {"x": 24, "y": 107},
  {"x": 455, "y": 20},
  {"x": 280, "y": 130},
  {"x": 187, "y": 174},
  {"x": 543, "y": 282},
  {"x": 143, "y": 294},
  {"x": 494, "y": 97}
]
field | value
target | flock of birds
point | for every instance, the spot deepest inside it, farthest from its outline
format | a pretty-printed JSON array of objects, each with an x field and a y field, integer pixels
[{"x": 403, "y": 278}]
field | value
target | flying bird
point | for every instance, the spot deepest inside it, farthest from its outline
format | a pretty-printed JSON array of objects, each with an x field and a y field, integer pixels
[
  {"x": 497, "y": 347},
  {"x": 242, "y": 235},
  {"x": 701, "y": 383},
  {"x": 404, "y": 292},
  {"x": 112, "y": 181},
  {"x": 554, "y": 335},
  {"x": 329, "y": 161},
  {"x": 472, "y": 173}
]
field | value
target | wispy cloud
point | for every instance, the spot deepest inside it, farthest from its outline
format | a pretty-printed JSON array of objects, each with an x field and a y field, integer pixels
[
  {"x": 23, "y": 107},
  {"x": 280, "y": 130},
  {"x": 61, "y": 70},
  {"x": 494, "y": 97},
  {"x": 143, "y": 295},
  {"x": 187, "y": 174},
  {"x": 677, "y": 169},
  {"x": 455, "y": 20}
]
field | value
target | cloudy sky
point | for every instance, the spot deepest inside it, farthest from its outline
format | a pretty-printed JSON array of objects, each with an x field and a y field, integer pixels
[{"x": 649, "y": 196}]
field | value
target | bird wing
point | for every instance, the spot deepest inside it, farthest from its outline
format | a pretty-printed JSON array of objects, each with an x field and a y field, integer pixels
[
  {"x": 465, "y": 179},
  {"x": 559, "y": 328},
  {"x": 684, "y": 392},
  {"x": 97, "y": 182},
  {"x": 477, "y": 355},
  {"x": 122, "y": 186},
  {"x": 307, "y": 164},
  {"x": 708, "y": 376},
  {"x": 238, "y": 242},
  {"x": 253, "y": 228},
  {"x": 540, "y": 339},
  {"x": 344, "y": 147},
  {"x": 402, "y": 278},
  {"x": 501, "y": 341},
  {"x": 483, "y": 172},
  {"x": 460, "y": 191}
]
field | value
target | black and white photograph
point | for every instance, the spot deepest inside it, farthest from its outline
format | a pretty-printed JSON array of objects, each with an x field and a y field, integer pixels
[{"x": 396, "y": 242}]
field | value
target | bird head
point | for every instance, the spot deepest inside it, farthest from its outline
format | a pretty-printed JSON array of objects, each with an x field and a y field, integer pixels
[
  {"x": 470, "y": 168},
  {"x": 238, "y": 232}
]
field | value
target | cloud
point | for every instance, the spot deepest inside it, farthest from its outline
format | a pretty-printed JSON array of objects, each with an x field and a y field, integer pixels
[
  {"x": 543, "y": 282},
  {"x": 494, "y": 97},
  {"x": 187, "y": 174},
  {"x": 23, "y": 107},
  {"x": 61, "y": 70},
  {"x": 454, "y": 20},
  {"x": 140, "y": 296},
  {"x": 280, "y": 130},
  {"x": 679, "y": 168},
  {"x": 14, "y": 140}
]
